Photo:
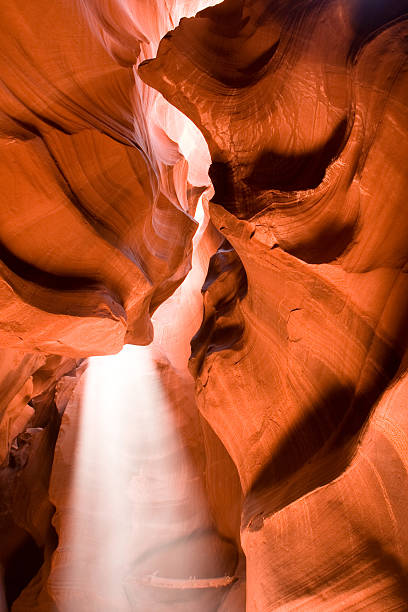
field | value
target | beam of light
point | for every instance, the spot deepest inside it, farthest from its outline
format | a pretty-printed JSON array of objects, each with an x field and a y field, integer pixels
[
  {"x": 134, "y": 497},
  {"x": 133, "y": 491}
]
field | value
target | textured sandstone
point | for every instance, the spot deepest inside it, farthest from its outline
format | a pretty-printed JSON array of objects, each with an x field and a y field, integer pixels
[
  {"x": 29, "y": 424},
  {"x": 93, "y": 233},
  {"x": 289, "y": 465},
  {"x": 304, "y": 328}
]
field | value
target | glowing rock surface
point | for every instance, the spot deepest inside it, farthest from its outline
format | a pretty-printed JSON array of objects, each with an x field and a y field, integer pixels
[{"x": 280, "y": 482}]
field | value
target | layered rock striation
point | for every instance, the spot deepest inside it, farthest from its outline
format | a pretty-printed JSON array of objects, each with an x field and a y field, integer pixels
[
  {"x": 303, "y": 341},
  {"x": 96, "y": 223},
  {"x": 297, "y": 433}
]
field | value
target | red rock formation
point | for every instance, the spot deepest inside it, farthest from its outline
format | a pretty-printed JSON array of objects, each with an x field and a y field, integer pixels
[
  {"x": 302, "y": 106},
  {"x": 93, "y": 234},
  {"x": 30, "y": 425},
  {"x": 300, "y": 442}
]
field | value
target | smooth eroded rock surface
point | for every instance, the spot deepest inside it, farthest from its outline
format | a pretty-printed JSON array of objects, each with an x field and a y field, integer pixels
[
  {"x": 304, "y": 331},
  {"x": 278, "y": 479}
]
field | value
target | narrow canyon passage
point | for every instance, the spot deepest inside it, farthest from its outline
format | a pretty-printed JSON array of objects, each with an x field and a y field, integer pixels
[{"x": 203, "y": 306}]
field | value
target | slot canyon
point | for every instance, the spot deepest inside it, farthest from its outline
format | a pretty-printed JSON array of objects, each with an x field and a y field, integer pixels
[{"x": 203, "y": 294}]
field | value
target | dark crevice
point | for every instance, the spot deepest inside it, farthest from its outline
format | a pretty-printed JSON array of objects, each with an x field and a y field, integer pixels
[
  {"x": 223, "y": 326},
  {"x": 329, "y": 244},
  {"x": 261, "y": 61},
  {"x": 368, "y": 17},
  {"x": 22, "y": 565},
  {"x": 47, "y": 280},
  {"x": 281, "y": 172}
]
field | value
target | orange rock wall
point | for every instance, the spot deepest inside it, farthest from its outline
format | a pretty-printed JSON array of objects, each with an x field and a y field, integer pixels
[
  {"x": 300, "y": 358},
  {"x": 298, "y": 427}
]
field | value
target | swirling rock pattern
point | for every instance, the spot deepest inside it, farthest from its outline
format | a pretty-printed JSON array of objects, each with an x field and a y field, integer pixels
[
  {"x": 95, "y": 224},
  {"x": 96, "y": 231},
  {"x": 299, "y": 362}
]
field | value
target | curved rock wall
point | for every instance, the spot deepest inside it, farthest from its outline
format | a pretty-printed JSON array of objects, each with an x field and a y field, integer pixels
[
  {"x": 300, "y": 360},
  {"x": 300, "y": 356},
  {"x": 96, "y": 229},
  {"x": 96, "y": 222}
]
